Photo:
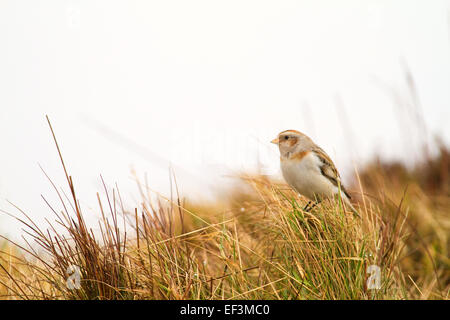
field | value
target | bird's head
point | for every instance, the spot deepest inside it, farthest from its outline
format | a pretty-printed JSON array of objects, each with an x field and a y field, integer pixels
[{"x": 291, "y": 141}]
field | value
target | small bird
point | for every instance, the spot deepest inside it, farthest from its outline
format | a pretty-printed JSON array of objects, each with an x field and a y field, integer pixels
[{"x": 308, "y": 169}]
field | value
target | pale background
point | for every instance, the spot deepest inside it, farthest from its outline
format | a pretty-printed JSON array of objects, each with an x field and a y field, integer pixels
[{"x": 203, "y": 86}]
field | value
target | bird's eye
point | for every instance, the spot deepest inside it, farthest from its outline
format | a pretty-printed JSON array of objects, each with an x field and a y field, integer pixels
[{"x": 286, "y": 137}]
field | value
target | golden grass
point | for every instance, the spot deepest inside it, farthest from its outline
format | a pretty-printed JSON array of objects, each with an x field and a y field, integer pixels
[
  {"x": 257, "y": 243},
  {"x": 262, "y": 245}
]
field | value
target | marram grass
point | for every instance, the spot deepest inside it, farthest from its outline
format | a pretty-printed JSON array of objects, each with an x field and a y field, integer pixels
[
  {"x": 257, "y": 242},
  {"x": 260, "y": 244}
]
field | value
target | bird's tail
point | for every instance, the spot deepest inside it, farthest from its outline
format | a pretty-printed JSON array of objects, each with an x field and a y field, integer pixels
[{"x": 348, "y": 203}]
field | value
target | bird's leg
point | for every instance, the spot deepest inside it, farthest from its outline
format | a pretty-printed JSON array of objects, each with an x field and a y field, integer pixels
[
  {"x": 313, "y": 206},
  {"x": 306, "y": 208},
  {"x": 309, "y": 207}
]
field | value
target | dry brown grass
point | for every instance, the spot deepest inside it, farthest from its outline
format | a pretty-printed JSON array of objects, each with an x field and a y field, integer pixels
[{"x": 257, "y": 243}]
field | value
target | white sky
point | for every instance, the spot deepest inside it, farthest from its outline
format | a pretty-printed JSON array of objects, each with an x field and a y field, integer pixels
[{"x": 199, "y": 83}]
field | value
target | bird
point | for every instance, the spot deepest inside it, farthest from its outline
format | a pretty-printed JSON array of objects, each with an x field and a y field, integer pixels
[{"x": 308, "y": 169}]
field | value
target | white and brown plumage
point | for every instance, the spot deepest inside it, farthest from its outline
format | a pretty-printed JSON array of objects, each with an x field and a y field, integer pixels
[{"x": 308, "y": 169}]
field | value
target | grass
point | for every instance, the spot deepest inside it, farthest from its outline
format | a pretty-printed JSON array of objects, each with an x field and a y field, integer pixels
[{"x": 257, "y": 243}]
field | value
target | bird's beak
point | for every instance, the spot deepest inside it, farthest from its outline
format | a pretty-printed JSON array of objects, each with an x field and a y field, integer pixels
[{"x": 275, "y": 141}]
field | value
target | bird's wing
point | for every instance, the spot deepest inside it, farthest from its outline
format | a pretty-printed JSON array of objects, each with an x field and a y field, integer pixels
[{"x": 329, "y": 170}]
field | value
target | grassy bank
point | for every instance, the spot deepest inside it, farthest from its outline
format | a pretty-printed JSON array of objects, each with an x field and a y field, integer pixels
[{"x": 256, "y": 242}]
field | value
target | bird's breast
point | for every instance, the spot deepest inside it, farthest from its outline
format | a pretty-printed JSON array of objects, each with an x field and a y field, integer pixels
[{"x": 304, "y": 175}]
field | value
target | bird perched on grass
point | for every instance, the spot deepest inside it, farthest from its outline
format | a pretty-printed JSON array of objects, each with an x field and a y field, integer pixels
[{"x": 308, "y": 169}]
